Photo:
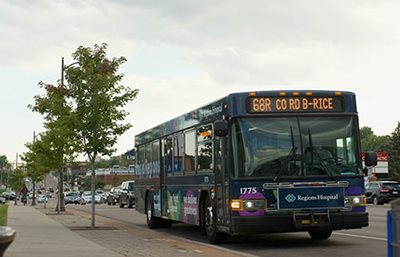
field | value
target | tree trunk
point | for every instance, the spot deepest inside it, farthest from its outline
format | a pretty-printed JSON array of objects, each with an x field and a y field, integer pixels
[
  {"x": 60, "y": 202},
  {"x": 93, "y": 193},
  {"x": 33, "y": 193}
]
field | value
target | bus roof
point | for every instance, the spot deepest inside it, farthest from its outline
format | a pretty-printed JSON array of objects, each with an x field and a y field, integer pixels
[{"x": 237, "y": 105}]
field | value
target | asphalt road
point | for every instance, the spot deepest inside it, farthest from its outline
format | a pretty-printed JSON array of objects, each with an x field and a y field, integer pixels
[{"x": 370, "y": 241}]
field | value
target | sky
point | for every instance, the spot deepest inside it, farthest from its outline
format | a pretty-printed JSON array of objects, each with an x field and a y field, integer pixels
[{"x": 182, "y": 54}]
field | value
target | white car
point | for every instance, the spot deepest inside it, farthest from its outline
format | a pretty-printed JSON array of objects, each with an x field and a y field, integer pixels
[
  {"x": 86, "y": 198},
  {"x": 41, "y": 199}
]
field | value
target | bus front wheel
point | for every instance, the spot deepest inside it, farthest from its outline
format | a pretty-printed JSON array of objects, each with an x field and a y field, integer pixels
[
  {"x": 320, "y": 234},
  {"x": 210, "y": 226}
]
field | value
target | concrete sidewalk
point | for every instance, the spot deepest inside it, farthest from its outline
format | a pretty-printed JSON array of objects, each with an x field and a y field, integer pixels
[{"x": 38, "y": 235}]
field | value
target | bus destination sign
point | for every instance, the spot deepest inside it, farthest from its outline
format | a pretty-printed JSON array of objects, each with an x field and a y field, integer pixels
[{"x": 275, "y": 104}]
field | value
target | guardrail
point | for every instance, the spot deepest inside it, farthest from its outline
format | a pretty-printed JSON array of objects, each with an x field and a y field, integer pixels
[
  {"x": 7, "y": 236},
  {"x": 393, "y": 229}
]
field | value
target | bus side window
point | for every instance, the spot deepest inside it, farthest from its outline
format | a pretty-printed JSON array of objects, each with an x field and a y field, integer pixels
[
  {"x": 190, "y": 151},
  {"x": 178, "y": 152},
  {"x": 168, "y": 155},
  {"x": 204, "y": 148},
  {"x": 156, "y": 158},
  {"x": 148, "y": 158},
  {"x": 140, "y": 160}
]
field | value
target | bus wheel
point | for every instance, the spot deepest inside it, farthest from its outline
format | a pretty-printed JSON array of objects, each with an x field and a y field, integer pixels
[
  {"x": 165, "y": 223},
  {"x": 320, "y": 234},
  {"x": 152, "y": 222},
  {"x": 130, "y": 203},
  {"x": 210, "y": 225}
]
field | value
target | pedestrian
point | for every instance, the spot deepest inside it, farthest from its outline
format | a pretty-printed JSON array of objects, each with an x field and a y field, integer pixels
[{"x": 24, "y": 198}]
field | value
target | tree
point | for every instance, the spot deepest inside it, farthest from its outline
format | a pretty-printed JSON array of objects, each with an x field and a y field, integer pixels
[
  {"x": 394, "y": 154},
  {"x": 3, "y": 166},
  {"x": 60, "y": 121},
  {"x": 98, "y": 97},
  {"x": 38, "y": 161},
  {"x": 371, "y": 142},
  {"x": 17, "y": 181}
]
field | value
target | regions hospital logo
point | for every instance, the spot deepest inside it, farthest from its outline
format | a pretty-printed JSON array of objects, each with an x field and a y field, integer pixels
[{"x": 290, "y": 198}]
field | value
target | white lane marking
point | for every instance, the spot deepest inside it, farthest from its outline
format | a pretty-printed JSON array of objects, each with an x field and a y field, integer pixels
[{"x": 360, "y": 236}]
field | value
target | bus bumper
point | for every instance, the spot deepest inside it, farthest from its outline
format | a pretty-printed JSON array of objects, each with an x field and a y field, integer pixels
[{"x": 285, "y": 223}]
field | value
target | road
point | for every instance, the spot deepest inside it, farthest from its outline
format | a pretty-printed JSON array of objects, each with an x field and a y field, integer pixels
[{"x": 370, "y": 241}]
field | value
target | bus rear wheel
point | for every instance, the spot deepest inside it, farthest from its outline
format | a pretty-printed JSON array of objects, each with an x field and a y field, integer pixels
[
  {"x": 320, "y": 234},
  {"x": 210, "y": 226}
]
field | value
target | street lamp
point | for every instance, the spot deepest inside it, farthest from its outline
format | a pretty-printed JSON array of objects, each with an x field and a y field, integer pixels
[{"x": 61, "y": 179}]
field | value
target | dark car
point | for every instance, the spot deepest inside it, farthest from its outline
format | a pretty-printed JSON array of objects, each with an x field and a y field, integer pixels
[
  {"x": 113, "y": 196},
  {"x": 71, "y": 197},
  {"x": 127, "y": 196},
  {"x": 380, "y": 192}
]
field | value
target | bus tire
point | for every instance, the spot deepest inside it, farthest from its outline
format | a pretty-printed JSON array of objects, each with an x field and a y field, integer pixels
[
  {"x": 165, "y": 223},
  {"x": 210, "y": 225},
  {"x": 320, "y": 233},
  {"x": 130, "y": 203},
  {"x": 152, "y": 222}
]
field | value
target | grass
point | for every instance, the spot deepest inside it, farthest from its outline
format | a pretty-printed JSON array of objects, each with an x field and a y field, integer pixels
[{"x": 3, "y": 214}]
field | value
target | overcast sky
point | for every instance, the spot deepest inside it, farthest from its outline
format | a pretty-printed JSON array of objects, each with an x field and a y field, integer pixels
[{"x": 184, "y": 54}]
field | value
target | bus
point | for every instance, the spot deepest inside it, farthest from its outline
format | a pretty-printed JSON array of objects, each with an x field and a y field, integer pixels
[{"x": 258, "y": 162}]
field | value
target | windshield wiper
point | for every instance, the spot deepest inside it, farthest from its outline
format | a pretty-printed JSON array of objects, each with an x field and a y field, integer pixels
[
  {"x": 291, "y": 155},
  {"x": 319, "y": 156}
]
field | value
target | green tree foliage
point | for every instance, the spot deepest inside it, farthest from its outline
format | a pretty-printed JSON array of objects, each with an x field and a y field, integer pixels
[
  {"x": 394, "y": 154},
  {"x": 87, "y": 184},
  {"x": 17, "y": 180},
  {"x": 98, "y": 97},
  {"x": 59, "y": 122},
  {"x": 4, "y": 166},
  {"x": 39, "y": 160},
  {"x": 372, "y": 142},
  {"x": 95, "y": 88}
]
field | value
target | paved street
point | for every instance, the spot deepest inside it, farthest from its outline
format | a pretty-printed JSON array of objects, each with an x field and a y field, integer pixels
[
  {"x": 123, "y": 232},
  {"x": 370, "y": 241}
]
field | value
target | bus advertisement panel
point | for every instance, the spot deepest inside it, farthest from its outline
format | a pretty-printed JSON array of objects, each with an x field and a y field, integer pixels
[{"x": 258, "y": 162}]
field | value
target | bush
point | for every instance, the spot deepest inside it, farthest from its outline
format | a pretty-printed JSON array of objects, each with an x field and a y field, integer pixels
[{"x": 3, "y": 214}]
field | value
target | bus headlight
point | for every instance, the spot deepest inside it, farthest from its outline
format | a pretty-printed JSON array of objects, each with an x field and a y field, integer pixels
[
  {"x": 355, "y": 200},
  {"x": 248, "y": 205}
]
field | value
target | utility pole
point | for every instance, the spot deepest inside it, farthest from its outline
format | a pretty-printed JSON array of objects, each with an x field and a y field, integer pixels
[{"x": 33, "y": 182}]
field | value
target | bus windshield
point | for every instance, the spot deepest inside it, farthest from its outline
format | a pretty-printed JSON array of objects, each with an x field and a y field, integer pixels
[{"x": 295, "y": 147}]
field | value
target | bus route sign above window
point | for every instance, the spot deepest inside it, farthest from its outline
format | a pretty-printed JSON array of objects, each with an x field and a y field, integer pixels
[{"x": 275, "y": 104}]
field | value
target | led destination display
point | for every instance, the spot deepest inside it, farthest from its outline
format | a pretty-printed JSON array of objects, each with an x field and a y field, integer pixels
[{"x": 267, "y": 104}]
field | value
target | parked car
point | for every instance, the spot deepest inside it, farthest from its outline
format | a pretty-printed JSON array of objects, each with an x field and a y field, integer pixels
[
  {"x": 102, "y": 194},
  {"x": 113, "y": 195},
  {"x": 10, "y": 195},
  {"x": 380, "y": 192},
  {"x": 86, "y": 198},
  {"x": 41, "y": 199},
  {"x": 127, "y": 196},
  {"x": 71, "y": 197}
]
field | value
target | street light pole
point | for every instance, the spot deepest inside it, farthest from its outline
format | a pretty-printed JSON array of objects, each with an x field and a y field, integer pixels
[
  {"x": 61, "y": 177},
  {"x": 33, "y": 182}
]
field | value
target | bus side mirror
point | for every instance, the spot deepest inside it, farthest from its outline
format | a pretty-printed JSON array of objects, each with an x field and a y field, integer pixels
[
  {"x": 221, "y": 128},
  {"x": 370, "y": 159}
]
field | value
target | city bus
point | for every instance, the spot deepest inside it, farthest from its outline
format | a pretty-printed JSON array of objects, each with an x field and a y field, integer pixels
[{"x": 256, "y": 162}]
